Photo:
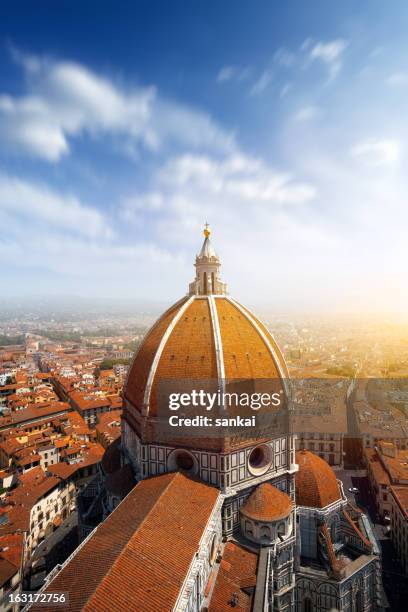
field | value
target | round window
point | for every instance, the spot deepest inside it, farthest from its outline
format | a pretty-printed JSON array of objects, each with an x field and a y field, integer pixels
[
  {"x": 260, "y": 460},
  {"x": 185, "y": 461},
  {"x": 182, "y": 460}
]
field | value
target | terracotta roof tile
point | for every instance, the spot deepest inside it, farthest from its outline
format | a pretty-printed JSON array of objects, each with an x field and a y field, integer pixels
[
  {"x": 245, "y": 353},
  {"x": 267, "y": 503},
  {"x": 400, "y": 494},
  {"x": 190, "y": 354},
  {"x": 7, "y": 571},
  {"x": 316, "y": 482},
  {"x": 11, "y": 549},
  {"x": 237, "y": 571},
  {"x": 140, "y": 368},
  {"x": 149, "y": 539}
]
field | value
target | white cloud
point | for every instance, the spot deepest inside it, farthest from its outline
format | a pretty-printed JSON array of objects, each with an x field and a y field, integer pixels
[
  {"x": 330, "y": 53},
  {"x": 195, "y": 129},
  {"x": 261, "y": 83},
  {"x": 376, "y": 152},
  {"x": 233, "y": 73},
  {"x": 226, "y": 73},
  {"x": 285, "y": 89},
  {"x": 36, "y": 205},
  {"x": 397, "y": 79},
  {"x": 240, "y": 177},
  {"x": 145, "y": 235},
  {"x": 234, "y": 193},
  {"x": 364, "y": 211},
  {"x": 306, "y": 44},
  {"x": 65, "y": 100},
  {"x": 284, "y": 57},
  {"x": 30, "y": 63},
  {"x": 73, "y": 242},
  {"x": 307, "y": 113},
  {"x": 134, "y": 208}
]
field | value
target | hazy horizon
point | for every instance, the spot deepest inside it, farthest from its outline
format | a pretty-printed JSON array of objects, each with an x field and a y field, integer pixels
[{"x": 66, "y": 304}]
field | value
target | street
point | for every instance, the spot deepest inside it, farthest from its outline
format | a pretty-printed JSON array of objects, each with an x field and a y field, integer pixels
[{"x": 54, "y": 549}]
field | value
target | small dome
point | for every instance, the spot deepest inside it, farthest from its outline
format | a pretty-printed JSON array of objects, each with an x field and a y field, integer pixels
[
  {"x": 316, "y": 482},
  {"x": 267, "y": 504}
]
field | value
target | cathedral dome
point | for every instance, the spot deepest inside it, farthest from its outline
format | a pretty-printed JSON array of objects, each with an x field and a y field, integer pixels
[
  {"x": 267, "y": 504},
  {"x": 316, "y": 482},
  {"x": 202, "y": 337},
  {"x": 205, "y": 336}
]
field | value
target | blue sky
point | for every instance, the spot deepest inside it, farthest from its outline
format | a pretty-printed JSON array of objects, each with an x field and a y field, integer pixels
[{"x": 283, "y": 124}]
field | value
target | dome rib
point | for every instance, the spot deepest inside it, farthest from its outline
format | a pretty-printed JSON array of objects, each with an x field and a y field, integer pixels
[
  {"x": 134, "y": 387},
  {"x": 267, "y": 503},
  {"x": 200, "y": 338},
  {"x": 160, "y": 349},
  {"x": 316, "y": 482},
  {"x": 278, "y": 359},
  {"x": 218, "y": 341}
]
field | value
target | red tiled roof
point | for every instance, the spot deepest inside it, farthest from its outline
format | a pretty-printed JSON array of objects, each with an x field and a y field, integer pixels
[
  {"x": 63, "y": 470},
  {"x": 190, "y": 352},
  {"x": 108, "y": 421},
  {"x": 33, "y": 412},
  {"x": 245, "y": 353},
  {"x": 150, "y": 539},
  {"x": 377, "y": 469},
  {"x": 11, "y": 547},
  {"x": 400, "y": 494},
  {"x": 316, "y": 482},
  {"x": 83, "y": 400},
  {"x": 237, "y": 571},
  {"x": 143, "y": 360},
  {"x": 33, "y": 485},
  {"x": 357, "y": 530},
  {"x": 7, "y": 571},
  {"x": 267, "y": 503}
]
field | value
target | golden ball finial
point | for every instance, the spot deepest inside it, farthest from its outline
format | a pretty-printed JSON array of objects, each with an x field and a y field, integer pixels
[{"x": 207, "y": 230}]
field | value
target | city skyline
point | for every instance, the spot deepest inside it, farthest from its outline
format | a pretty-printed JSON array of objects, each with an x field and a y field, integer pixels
[{"x": 283, "y": 128}]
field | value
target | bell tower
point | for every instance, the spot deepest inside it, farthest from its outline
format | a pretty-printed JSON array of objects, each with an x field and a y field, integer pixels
[{"x": 207, "y": 264}]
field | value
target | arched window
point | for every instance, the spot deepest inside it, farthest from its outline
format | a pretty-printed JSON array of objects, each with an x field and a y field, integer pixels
[
  {"x": 213, "y": 549},
  {"x": 360, "y": 599},
  {"x": 281, "y": 529},
  {"x": 265, "y": 532},
  {"x": 205, "y": 284},
  {"x": 248, "y": 527},
  {"x": 307, "y": 604}
]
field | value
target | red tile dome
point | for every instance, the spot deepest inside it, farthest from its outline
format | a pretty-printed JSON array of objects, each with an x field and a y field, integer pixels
[
  {"x": 182, "y": 345},
  {"x": 206, "y": 337},
  {"x": 316, "y": 482},
  {"x": 267, "y": 503}
]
